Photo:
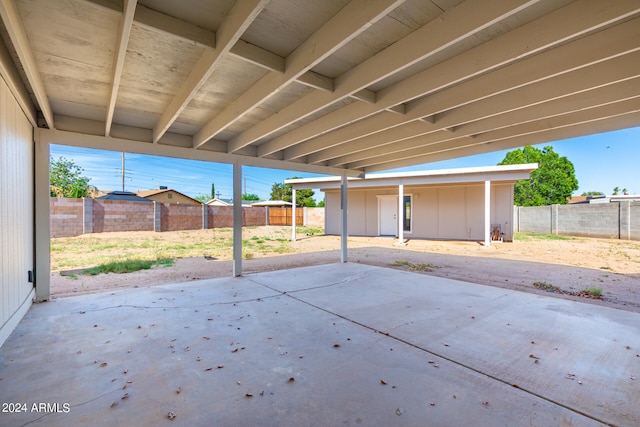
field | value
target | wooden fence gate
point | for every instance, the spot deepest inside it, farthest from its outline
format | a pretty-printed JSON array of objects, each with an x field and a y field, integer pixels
[{"x": 282, "y": 216}]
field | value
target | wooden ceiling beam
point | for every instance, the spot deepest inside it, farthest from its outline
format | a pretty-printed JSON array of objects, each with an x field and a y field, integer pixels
[
  {"x": 602, "y": 96},
  {"x": 238, "y": 20},
  {"x": 594, "y": 48},
  {"x": 601, "y": 75},
  {"x": 456, "y": 24},
  {"x": 570, "y": 119},
  {"x": 607, "y": 124},
  {"x": 13, "y": 23},
  {"x": 347, "y": 24},
  {"x": 118, "y": 59},
  {"x": 560, "y": 26}
]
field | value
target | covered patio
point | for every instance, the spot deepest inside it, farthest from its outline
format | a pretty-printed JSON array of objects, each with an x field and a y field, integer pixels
[
  {"x": 345, "y": 345},
  {"x": 334, "y": 87}
]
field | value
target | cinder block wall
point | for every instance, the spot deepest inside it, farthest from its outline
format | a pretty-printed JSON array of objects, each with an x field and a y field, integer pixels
[
  {"x": 618, "y": 220},
  {"x": 118, "y": 215},
  {"x": 592, "y": 220},
  {"x": 535, "y": 219},
  {"x": 252, "y": 217},
  {"x": 180, "y": 217},
  {"x": 73, "y": 217},
  {"x": 66, "y": 217},
  {"x": 314, "y": 217},
  {"x": 220, "y": 216}
]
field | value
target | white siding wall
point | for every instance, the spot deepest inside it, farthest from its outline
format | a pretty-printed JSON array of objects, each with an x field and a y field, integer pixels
[
  {"x": 16, "y": 212},
  {"x": 442, "y": 212}
]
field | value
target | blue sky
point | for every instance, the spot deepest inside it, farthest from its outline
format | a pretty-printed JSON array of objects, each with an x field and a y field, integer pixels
[{"x": 602, "y": 162}]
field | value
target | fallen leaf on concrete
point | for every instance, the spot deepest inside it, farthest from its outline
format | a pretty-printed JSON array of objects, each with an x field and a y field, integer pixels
[
  {"x": 446, "y": 345},
  {"x": 432, "y": 403},
  {"x": 262, "y": 393},
  {"x": 198, "y": 359},
  {"x": 431, "y": 361},
  {"x": 336, "y": 345},
  {"x": 220, "y": 366},
  {"x": 114, "y": 404},
  {"x": 179, "y": 390},
  {"x": 485, "y": 403},
  {"x": 235, "y": 350},
  {"x": 125, "y": 396},
  {"x": 291, "y": 379},
  {"x": 383, "y": 382},
  {"x": 103, "y": 364},
  {"x": 248, "y": 395},
  {"x": 398, "y": 411},
  {"x": 171, "y": 415},
  {"x": 208, "y": 369}
]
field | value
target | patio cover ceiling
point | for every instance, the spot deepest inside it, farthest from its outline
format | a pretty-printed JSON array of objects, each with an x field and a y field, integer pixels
[{"x": 332, "y": 86}]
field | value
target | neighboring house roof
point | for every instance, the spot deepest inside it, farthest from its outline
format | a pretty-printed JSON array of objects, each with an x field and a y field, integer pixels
[
  {"x": 616, "y": 198},
  {"x": 149, "y": 193},
  {"x": 272, "y": 203},
  {"x": 124, "y": 195},
  {"x": 218, "y": 202},
  {"x": 442, "y": 176}
]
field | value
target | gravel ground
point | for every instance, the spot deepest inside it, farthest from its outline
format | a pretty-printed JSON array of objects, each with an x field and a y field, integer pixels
[{"x": 566, "y": 266}]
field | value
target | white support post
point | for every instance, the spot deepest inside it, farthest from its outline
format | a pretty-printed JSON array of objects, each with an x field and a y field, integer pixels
[
  {"x": 293, "y": 215},
  {"x": 237, "y": 219},
  {"x": 42, "y": 227},
  {"x": 487, "y": 213},
  {"x": 343, "y": 224},
  {"x": 400, "y": 214}
]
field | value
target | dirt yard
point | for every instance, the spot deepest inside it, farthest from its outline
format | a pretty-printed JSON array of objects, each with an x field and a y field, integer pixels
[{"x": 561, "y": 268}]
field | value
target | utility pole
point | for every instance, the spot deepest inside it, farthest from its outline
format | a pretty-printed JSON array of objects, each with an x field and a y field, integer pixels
[{"x": 123, "y": 171}]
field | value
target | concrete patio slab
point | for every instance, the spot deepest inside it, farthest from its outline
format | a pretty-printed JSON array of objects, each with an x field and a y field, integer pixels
[{"x": 340, "y": 344}]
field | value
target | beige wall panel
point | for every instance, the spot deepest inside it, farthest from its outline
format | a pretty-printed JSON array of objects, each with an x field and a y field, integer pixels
[
  {"x": 502, "y": 209},
  {"x": 357, "y": 213},
  {"x": 332, "y": 213},
  {"x": 425, "y": 211},
  {"x": 451, "y": 213},
  {"x": 474, "y": 200},
  {"x": 16, "y": 212}
]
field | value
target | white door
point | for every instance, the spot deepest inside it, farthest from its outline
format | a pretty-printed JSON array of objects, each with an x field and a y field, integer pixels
[{"x": 388, "y": 215}]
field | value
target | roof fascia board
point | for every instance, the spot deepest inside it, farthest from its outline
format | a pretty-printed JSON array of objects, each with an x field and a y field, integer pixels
[
  {"x": 444, "y": 176},
  {"x": 13, "y": 23},
  {"x": 10, "y": 75},
  {"x": 101, "y": 142}
]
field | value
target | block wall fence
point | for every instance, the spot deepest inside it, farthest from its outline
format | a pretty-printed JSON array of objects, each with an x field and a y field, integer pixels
[
  {"x": 73, "y": 217},
  {"x": 617, "y": 220}
]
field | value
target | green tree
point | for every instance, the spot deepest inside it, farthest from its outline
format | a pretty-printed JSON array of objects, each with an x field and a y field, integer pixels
[
  {"x": 320, "y": 204},
  {"x": 282, "y": 191},
  {"x": 250, "y": 197},
  {"x": 202, "y": 198},
  {"x": 552, "y": 183},
  {"x": 66, "y": 179},
  {"x": 592, "y": 193}
]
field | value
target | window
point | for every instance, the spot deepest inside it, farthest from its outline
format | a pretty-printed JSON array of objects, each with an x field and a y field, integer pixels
[{"x": 406, "y": 214}]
